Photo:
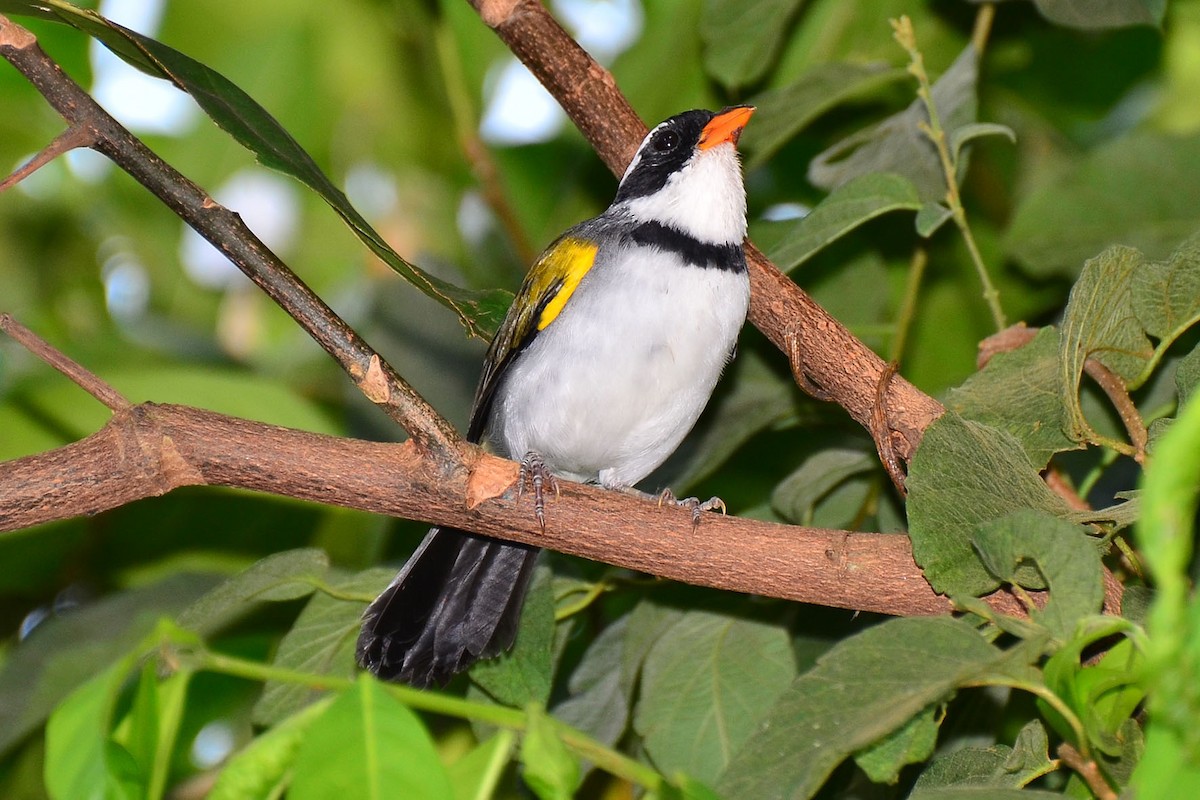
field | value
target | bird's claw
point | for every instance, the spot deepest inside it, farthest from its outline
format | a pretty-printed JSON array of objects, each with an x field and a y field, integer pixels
[
  {"x": 668, "y": 498},
  {"x": 535, "y": 471}
]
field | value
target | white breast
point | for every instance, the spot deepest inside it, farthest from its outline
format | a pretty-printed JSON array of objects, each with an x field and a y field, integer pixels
[{"x": 609, "y": 390}]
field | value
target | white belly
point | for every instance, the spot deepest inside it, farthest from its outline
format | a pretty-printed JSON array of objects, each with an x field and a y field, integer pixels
[{"x": 612, "y": 386}]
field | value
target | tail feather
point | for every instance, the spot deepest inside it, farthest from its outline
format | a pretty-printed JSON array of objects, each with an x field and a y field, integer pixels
[{"x": 457, "y": 600}]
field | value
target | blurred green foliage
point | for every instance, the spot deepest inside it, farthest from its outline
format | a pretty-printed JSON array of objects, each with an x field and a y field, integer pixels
[{"x": 619, "y": 682}]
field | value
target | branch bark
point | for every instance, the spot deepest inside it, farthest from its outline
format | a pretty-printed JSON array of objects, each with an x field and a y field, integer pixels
[
  {"x": 822, "y": 352},
  {"x": 150, "y": 449}
]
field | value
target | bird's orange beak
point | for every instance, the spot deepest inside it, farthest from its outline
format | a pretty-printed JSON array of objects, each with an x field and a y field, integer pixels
[{"x": 725, "y": 127}]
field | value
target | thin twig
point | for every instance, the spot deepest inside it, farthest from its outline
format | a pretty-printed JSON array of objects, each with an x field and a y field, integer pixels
[
  {"x": 72, "y": 138},
  {"x": 87, "y": 380},
  {"x": 226, "y": 231},
  {"x": 907, "y": 39}
]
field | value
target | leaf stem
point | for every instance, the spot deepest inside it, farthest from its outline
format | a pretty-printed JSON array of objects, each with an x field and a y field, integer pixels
[
  {"x": 593, "y": 593},
  {"x": 906, "y": 37},
  {"x": 606, "y": 758}
]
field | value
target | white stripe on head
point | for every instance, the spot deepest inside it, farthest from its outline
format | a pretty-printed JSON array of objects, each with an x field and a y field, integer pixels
[{"x": 637, "y": 157}]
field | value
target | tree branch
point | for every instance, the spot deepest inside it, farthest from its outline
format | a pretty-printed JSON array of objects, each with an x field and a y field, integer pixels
[
  {"x": 149, "y": 449},
  {"x": 821, "y": 350},
  {"x": 226, "y": 231}
]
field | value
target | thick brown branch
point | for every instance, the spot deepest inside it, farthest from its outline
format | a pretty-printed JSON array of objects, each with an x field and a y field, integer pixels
[
  {"x": 150, "y": 449},
  {"x": 821, "y": 349},
  {"x": 226, "y": 231}
]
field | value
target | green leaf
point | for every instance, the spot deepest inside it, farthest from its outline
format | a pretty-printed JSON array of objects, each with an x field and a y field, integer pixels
[
  {"x": 321, "y": 642},
  {"x": 476, "y": 775},
  {"x": 221, "y": 389},
  {"x": 550, "y": 769},
  {"x": 910, "y": 744},
  {"x": 982, "y": 793},
  {"x": 250, "y": 125},
  {"x": 289, "y": 575},
  {"x": 967, "y": 766},
  {"x": 966, "y": 473},
  {"x": 368, "y": 744},
  {"x": 797, "y": 495},
  {"x": 897, "y": 144},
  {"x": 742, "y": 39},
  {"x": 1071, "y": 215},
  {"x": 964, "y": 135},
  {"x": 999, "y": 766},
  {"x": 1030, "y": 757},
  {"x": 1165, "y": 537},
  {"x": 683, "y": 788},
  {"x": 1067, "y": 560},
  {"x": 930, "y": 217},
  {"x": 149, "y": 731},
  {"x": 648, "y": 622},
  {"x": 706, "y": 683},
  {"x": 261, "y": 770},
  {"x": 1100, "y": 323},
  {"x": 1102, "y": 693},
  {"x": 1167, "y": 765},
  {"x": 783, "y": 113},
  {"x": 1119, "y": 515},
  {"x": 66, "y": 651},
  {"x": 1100, "y": 14},
  {"x": 139, "y": 732},
  {"x": 1166, "y": 294},
  {"x": 597, "y": 703},
  {"x": 864, "y": 688},
  {"x": 1187, "y": 375},
  {"x": 858, "y": 200},
  {"x": 670, "y": 35},
  {"x": 858, "y": 294},
  {"x": 524, "y": 674},
  {"x": 226, "y": 390},
  {"x": 81, "y": 761},
  {"x": 1019, "y": 392}
]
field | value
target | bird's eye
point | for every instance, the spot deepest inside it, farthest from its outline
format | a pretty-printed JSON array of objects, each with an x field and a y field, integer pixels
[{"x": 665, "y": 140}]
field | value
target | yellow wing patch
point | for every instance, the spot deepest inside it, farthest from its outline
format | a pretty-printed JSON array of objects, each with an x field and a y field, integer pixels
[{"x": 564, "y": 266}]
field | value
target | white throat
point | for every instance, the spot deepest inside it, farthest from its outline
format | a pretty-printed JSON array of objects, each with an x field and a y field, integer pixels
[{"x": 704, "y": 199}]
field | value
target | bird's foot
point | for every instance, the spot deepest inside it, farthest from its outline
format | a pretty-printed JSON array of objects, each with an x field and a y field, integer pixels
[
  {"x": 667, "y": 498},
  {"x": 534, "y": 470}
]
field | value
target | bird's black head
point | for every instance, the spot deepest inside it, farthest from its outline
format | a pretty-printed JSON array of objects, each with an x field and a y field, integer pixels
[{"x": 663, "y": 152}]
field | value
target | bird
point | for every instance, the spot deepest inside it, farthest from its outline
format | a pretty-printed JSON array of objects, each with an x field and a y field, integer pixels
[{"x": 604, "y": 362}]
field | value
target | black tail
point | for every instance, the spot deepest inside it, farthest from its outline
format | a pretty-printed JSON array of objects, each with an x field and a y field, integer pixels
[{"x": 457, "y": 600}]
